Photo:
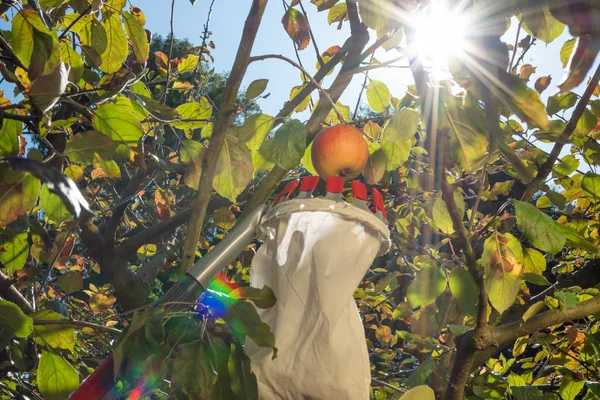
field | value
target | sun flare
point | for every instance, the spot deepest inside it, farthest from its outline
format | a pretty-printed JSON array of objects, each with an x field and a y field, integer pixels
[{"x": 440, "y": 34}]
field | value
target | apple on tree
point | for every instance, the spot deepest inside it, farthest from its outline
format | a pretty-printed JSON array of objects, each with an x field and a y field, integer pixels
[{"x": 339, "y": 150}]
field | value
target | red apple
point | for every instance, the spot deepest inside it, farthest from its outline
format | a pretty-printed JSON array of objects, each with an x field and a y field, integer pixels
[{"x": 340, "y": 150}]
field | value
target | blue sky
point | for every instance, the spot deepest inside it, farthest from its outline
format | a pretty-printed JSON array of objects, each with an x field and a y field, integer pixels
[{"x": 227, "y": 22}]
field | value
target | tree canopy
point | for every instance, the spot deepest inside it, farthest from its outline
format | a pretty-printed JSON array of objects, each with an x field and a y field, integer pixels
[{"x": 144, "y": 157}]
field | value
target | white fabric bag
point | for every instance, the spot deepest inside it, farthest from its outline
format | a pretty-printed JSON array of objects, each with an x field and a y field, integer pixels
[{"x": 315, "y": 253}]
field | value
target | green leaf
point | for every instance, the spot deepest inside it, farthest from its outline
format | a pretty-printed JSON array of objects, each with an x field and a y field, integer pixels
[
  {"x": 378, "y": 96},
  {"x": 255, "y": 129},
  {"x": 72, "y": 58},
  {"x": 89, "y": 147},
  {"x": 70, "y": 282},
  {"x": 590, "y": 185},
  {"x": 420, "y": 374},
  {"x": 395, "y": 153},
  {"x": 117, "y": 48},
  {"x": 375, "y": 168},
  {"x": 193, "y": 375},
  {"x": 536, "y": 279},
  {"x": 468, "y": 143},
  {"x": 307, "y": 160},
  {"x": 118, "y": 124},
  {"x": 568, "y": 299},
  {"x": 287, "y": 147},
  {"x": 394, "y": 41},
  {"x": 30, "y": 34},
  {"x": 575, "y": 240},
  {"x": 155, "y": 108},
  {"x": 9, "y": 137},
  {"x": 540, "y": 23},
  {"x": 54, "y": 208},
  {"x": 569, "y": 387},
  {"x": 533, "y": 310},
  {"x": 402, "y": 126},
  {"x": 199, "y": 111},
  {"x": 55, "y": 336},
  {"x": 419, "y": 393},
  {"x": 502, "y": 259},
  {"x": 18, "y": 194},
  {"x": 243, "y": 380},
  {"x": 137, "y": 37},
  {"x": 441, "y": 218},
  {"x": 337, "y": 13},
  {"x": 428, "y": 284},
  {"x": 524, "y": 101},
  {"x": 561, "y": 101},
  {"x": 94, "y": 40},
  {"x": 501, "y": 189},
  {"x": 464, "y": 290},
  {"x": 539, "y": 228},
  {"x": 14, "y": 249},
  {"x": 262, "y": 298},
  {"x": 585, "y": 124},
  {"x": 56, "y": 377},
  {"x": 234, "y": 168},
  {"x": 567, "y": 165},
  {"x": 528, "y": 393},
  {"x": 244, "y": 321},
  {"x": 256, "y": 88},
  {"x": 534, "y": 261},
  {"x": 14, "y": 320},
  {"x": 304, "y": 103},
  {"x": 566, "y": 50},
  {"x": 187, "y": 63}
]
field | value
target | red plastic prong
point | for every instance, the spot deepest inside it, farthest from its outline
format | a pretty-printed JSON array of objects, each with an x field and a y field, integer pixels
[
  {"x": 309, "y": 184},
  {"x": 292, "y": 186},
  {"x": 286, "y": 190},
  {"x": 335, "y": 184},
  {"x": 359, "y": 190},
  {"x": 378, "y": 201}
]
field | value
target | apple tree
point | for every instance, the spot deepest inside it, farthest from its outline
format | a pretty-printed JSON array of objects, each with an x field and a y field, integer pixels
[{"x": 143, "y": 160}]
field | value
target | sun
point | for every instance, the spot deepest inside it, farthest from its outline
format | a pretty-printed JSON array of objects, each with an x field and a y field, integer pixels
[{"x": 440, "y": 34}]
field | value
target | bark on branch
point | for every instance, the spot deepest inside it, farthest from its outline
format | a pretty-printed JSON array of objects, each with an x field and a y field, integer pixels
[
  {"x": 546, "y": 167},
  {"x": 224, "y": 121}
]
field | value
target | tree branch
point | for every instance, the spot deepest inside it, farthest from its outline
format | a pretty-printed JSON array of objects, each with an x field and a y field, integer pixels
[
  {"x": 503, "y": 335},
  {"x": 129, "y": 246},
  {"x": 82, "y": 324},
  {"x": 6, "y": 49},
  {"x": 130, "y": 190},
  {"x": 354, "y": 45},
  {"x": 10, "y": 293},
  {"x": 224, "y": 121},
  {"x": 546, "y": 167},
  {"x": 306, "y": 74}
]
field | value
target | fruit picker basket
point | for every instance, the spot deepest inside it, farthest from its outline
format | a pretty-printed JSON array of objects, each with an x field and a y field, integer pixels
[{"x": 315, "y": 252}]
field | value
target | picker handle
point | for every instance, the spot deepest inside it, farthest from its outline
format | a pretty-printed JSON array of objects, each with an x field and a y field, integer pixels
[
  {"x": 101, "y": 381},
  {"x": 227, "y": 249}
]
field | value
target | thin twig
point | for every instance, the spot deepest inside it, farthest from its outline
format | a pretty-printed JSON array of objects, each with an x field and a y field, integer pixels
[
  {"x": 204, "y": 38},
  {"x": 310, "y": 78},
  {"x": 170, "y": 53},
  {"x": 362, "y": 89},
  {"x": 10, "y": 53},
  {"x": 82, "y": 324},
  {"x": 387, "y": 385},
  {"x": 546, "y": 167},
  {"x": 76, "y": 20},
  {"x": 514, "y": 54},
  {"x": 312, "y": 37}
]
